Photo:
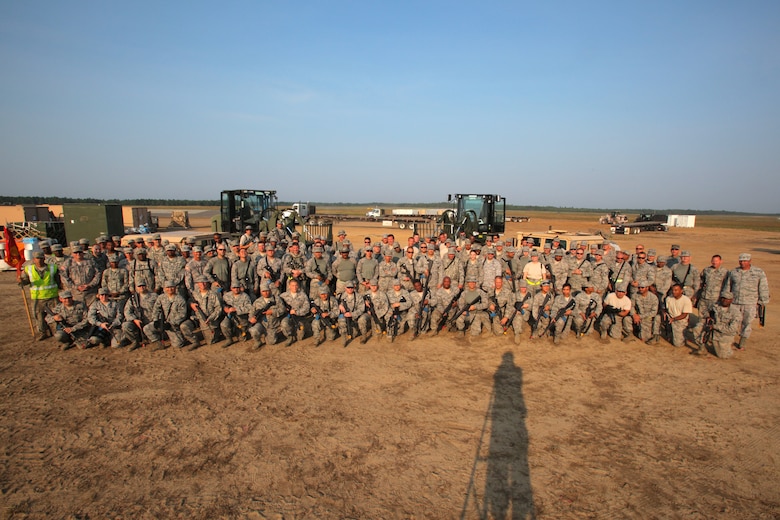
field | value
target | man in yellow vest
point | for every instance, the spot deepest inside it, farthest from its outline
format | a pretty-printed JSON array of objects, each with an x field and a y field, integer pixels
[{"x": 44, "y": 282}]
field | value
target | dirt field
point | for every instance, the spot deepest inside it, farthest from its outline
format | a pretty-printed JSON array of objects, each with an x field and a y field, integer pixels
[{"x": 436, "y": 428}]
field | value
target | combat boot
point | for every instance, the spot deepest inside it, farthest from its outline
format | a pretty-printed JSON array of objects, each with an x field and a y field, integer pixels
[
  {"x": 134, "y": 345},
  {"x": 741, "y": 344},
  {"x": 364, "y": 337},
  {"x": 195, "y": 344}
]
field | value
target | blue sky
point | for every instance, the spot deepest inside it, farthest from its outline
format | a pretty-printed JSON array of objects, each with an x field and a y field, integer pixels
[{"x": 588, "y": 104}]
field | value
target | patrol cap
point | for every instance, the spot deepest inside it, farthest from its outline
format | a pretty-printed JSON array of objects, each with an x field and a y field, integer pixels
[
  {"x": 116, "y": 238},
  {"x": 208, "y": 249},
  {"x": 545, "y": 282},
  {"x": 197, "y": 249},
  {"x": 471, "y": 279},
  {"x": 56, "y": 247},
  {"x": 317, "y": 249},
  {"x": 675, "y": 246},
  {"x": 620, "y": 288},
  {"x": 66, "y": 294},
  {"x": 140, "y": 283},
  {"x": 103, "y": 291},
  {"x": 727, "y": 295},
  {"x": 247, "y": 228},
  {"x": 651, "y": 252},
  {"x": 345, "y": 249},
  {"x": 45, "y": 243},
  {"x": 170, "y": 247},
  {"x": 558, "y": 252},
  {"x": 510, "y": 249},
  {"x": 235, "y": 285},
  {"x": 140, "y": 251},
  {"x": 76, "y": 249},
  {"x": 660, "y": 260},
  {"x": 643, "y": 285},
  {"x": 156, "y": 236},
  {"x": 350, "y": 285},
  {"x": 744, "y": 257},
  {"x": 599, "y": 252},
  {"x": 265, "y": 285},
  {"x": 685, "y": 253},
  {"x": 169, "y": 283},
  {"x": 367, "y": 249},
  {"x": 101, "y": 239},
  {"x": 490, "y": 251},
  {"x": 83, "y": 241},
  {"x": 324, "y": 290},
  {"x": 452, "y": 251},
  {"x": 396, "y": 245},
  {"x": 39, "y": 254},
  {"x": 525, "y": 249},
  {"x": 522, "y": 283},
  {"x": 185, "y": 249},
  {"x": 201, "y": 279},
  {"x": 113, "y": 258},
  {"x": 263, "y": 234},
  {"x": 130, "y": 242},
  {"x": 396, "y": 281},
  {"x": 585, "y": 285},
  {"x": 374, "y": 282},
  {"x": 534, "y": 253},
  {"x": 342, "y": 233},
  {"x": 272, "y": 239}
]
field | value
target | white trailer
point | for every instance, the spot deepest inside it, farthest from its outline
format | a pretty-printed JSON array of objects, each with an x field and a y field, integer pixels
[{"x": 683, "y": 221}]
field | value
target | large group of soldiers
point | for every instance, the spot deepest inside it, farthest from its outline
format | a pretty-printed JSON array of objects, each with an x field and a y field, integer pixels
[{"x": 272, "y": 287}]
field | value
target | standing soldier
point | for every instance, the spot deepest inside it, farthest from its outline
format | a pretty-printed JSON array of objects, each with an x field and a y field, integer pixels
[
  {"x": 44, "y": 282},
  {"x": 116, "y": 280},
  {"x": 473, "y": 266},
  {"x": 344, "y": 270},
  {"x": 620, "y": 273},
  {"x": 559, "y": 270},
  {"x": 534, "y": 273},
  {"x": 269, "y": 269},
  {"x": 294, "y": 266},
  {"x": 491, "y": 268},
  {"x": 711, "y": 284},
  {"x": 388, "y": 272},
  {"x": 641, "y": 272},
  {"x": 81, "y": 277},
  {"x": 172, "y": 269},
  {"x": 674, "y": 256},
  {"x": 581, "y": 271},
  {"x": 318, "y": 271},
  {"x": 600, "y": 276},
  {"x": 243, "y": 273},
  {"x": 407, "y": 271},
  {"x": 750, "y": 288},
  {"x": 194, "y": 269},
  {"x": 686, "y": 275},
  {"x": 139, "y": 315},
  {"x": 156, "y": 250},
  {"x": 218, "y": 269},
  {"x": 141, "y": 269},
  {"x": 367, "y": 270},
  {"x": 452, "y": 268}
]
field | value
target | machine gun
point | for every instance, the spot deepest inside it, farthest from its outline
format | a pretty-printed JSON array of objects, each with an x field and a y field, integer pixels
[
  {"x": 463, "y": 310},
  {"x": 761, "y": 311},
  {"x": 372, "y": 312},
  {"x": 418, "y": 327},
  {"x": 396, "y": 317},
  {"x": 347, "y": 319},
  {"x": 411, "y": 276},
  {"x": 560, "y": 314}
]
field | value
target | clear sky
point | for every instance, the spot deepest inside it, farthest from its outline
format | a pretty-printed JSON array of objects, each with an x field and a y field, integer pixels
[{"x": 663, "y": 104}]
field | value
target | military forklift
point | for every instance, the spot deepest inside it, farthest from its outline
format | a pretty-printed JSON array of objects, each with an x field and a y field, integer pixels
[
  {"x": 259, "y": 209},
  {"x": 478, "y": 215}
]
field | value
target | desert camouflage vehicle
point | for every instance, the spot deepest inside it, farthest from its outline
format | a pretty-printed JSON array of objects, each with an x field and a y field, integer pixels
[{"x": 568, "y": 239}]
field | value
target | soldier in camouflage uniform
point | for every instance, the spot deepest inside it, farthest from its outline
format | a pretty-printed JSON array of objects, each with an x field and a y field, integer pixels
[
  {"x": 685, "y": 274},
  {"x": 325, "y": 322},
  {"x": 641, "y": 272},
  {"x": 172, "y": 269},
  {"x": 269, "y": 269},
  {"x": 170, "y": 311},
  {"x": 620, "y": 273},
  {"x": 724, "y": 320},
  {"x": 265, "y": 316},
  {"x": 749, "y": 286},
  {"x": 452, "y": 268},
  {"x": 619, "y": 323},
  {"x": 367, "y": 270},
  {"x": 501, "y": 310},
  {"x": 81, "y": 277},
  {"x": 378, "y": 301},
  {"x": 644, "y": 313},
  {"x": 580, "y": 272},
  {"x": 475, "y": 302},
  {"x": 206, "y": 310},
  {"x": 116, "y": 280},
  {"x": 344, "y": 269},
  {"x": 473, "y": 266},
  {"x": 586, "y": 310},
  {"x": 69, "y": 319},
  {"x": 491, "y": 268},
  {"x": 562, "y": 311},
  {"x": 388, "y": 272},
  {"x": 351, "y": 307},
  {"x": 678, "y": 309},
  {"x": 297, "y": 308},
  {"x": 142, "y": 269},
  {"x": 400, "y": 301},
  {"x": 711, "y": 283},
  {"x": 237, "y": 307},
  {"x": 194, "y": 269},
  {"x": 139, "y": 315},
  {"x": 318, "y": 271},
  {"x": 105, "y": 316},
  {"x": 156, "y": 250},
  {"x": 407, "y": 270},
  {"x": 440, "y": 302},
  {"x": 243, "y": 273}
]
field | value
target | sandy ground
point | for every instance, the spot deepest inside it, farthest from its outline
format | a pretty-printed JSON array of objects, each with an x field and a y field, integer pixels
[{"x": 437, "y": 428}]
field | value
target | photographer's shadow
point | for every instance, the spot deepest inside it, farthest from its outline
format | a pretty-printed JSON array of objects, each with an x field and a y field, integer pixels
[{"x": 508, "y": 491}]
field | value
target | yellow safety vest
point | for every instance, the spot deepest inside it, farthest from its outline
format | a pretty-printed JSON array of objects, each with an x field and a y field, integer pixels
[{"x": 42, "y": 288}]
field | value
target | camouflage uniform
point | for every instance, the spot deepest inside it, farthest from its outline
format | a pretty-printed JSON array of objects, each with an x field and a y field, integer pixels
[
  {"x": 243, "y": 273},
  {"x": 116, "y": 280},
  {"x": 388, "y": 272},
  {"x": 82, "y": 273},
  {"x": 505, "y": 300},
  {"x": 300, "y": 303},
  {"x": 237, "y": 321},
  {"x": 541, "y": 308},
  {"x": 452, "y": 267},
  {"x": 688, "y": 277},
  {"x": 750, "y": 287},
  {"x": 330, "y": 307},
  {"x": 439, "y": 301},
  {"x": 351, "y": 303},
  {"x": 711, "y": 284},
  {"x": 725, "y": 326},
  {"x": 367, "y": 270},
  {"x": 474, "y": 319},
  {"x": 99, "y": 313},
  {"x": 73, "y": 317},
  {"x": 579, "y": 274},
  {"x": 614, "y": 324},
  {"x": 381, "y": 306},
  {"x": 209, "y": 303},
  {"x": 142, "y": 270},
  {"x": 564, "y": 304},
  {"x": 172, "y": 310},
  {"x": 646, "y": 307},
  {"x": 587, "y": 305},
  {"x": 139, "y": 307},
  {"x": 268, "y": 322},
  {"x": 396, "y": 319}
]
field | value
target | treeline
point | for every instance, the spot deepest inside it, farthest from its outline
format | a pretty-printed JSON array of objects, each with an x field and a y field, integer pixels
[
  {"x": 24, "y": 200},
  {"x": 11, "y": 201}
]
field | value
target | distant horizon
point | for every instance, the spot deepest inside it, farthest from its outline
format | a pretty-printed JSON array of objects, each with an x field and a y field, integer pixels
[{"x": 384, "y": 205}]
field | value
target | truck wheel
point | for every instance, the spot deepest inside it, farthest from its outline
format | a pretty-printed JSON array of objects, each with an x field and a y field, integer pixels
[
  {"x": 402, "y": 225},
  {"x": 411, "y": 226}
]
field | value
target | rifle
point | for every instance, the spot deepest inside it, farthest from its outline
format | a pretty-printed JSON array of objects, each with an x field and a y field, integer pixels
[
  {"x": 326, "y": 320},
  {"x": 548, "y": 266},
  {"x": 294, "y": 318},
  {"x": 518, "y": 307},
  {"x": 761, "y": 311},
  {"x": 233, "y": 316},
  {"x": 208, "y": 333},
  {"x": 381, "y": 324},
  {"x": 418, "y": 324},
  {"x": 446, "y": 314},
  {"x": 80, "y": 344},
  {"x": 396, "y": 317},
  {"x": 708, "y": 329},
  {"x": 561, "y": 313},
  {"x": 586, "y": 325},
  {"x": 464, "y": 310},
  {"x": 511, "y": 274},
  {"x": 494, "y": 301},
  {"x": 409, "y": 274},
  {"x": 271, "y": 273},
  {"x": 611, "y": 284},
  {"x": 348, "y": 320}
]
